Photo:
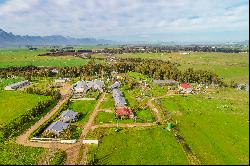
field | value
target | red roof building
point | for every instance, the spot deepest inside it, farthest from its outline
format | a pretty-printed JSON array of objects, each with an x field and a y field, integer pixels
[
  {"x": 123, "y": 111},
  {"x": 185, "y": 86}
]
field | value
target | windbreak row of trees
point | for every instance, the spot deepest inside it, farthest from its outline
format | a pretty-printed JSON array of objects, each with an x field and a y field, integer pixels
[
  {"x": 156, "y": 69},
  {"x": 18, "y": 125}
]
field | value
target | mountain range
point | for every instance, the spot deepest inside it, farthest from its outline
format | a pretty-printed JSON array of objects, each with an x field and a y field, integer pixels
[{"x": 11, "y": 40}]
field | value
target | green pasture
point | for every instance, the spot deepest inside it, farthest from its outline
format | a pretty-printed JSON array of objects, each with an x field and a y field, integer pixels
[
  {"x": 215, "y": 125},
  {"x": 229, "y": 66},
  {"x": 25, "y": 57},
  {"x": 15, "y": 103},
  {"x": 135, "y": 146}
]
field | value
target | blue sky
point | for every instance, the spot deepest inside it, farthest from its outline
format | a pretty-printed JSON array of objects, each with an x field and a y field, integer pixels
[{"x": 129, "y": 20}]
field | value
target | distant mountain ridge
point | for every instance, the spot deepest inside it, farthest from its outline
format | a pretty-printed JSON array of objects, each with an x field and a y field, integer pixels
[{"x": 9, "y": 40}]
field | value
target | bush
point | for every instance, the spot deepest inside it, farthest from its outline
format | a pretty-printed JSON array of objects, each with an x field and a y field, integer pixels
[{"x": 59, "y": 158}]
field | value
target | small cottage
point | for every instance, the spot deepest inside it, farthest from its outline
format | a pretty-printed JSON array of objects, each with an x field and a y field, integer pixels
[
  {"x": 68, "y": 116},
  {"x": 57, "y": 127}
]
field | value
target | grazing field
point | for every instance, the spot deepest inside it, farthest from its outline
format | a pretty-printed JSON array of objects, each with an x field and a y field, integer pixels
[
  {"x": 14, "y": 154},
  {"x": 84, "y": 107},
  {"x": 15, "y": 103},
  {"x": 136, "y": 146},
  {"x": 229, "y": 66},
  {"x": 216, "y": 125},
  {"x": 24, "y": 57}
]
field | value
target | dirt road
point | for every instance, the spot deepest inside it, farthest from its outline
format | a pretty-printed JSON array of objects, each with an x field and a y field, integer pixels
[
  {"x": 151, "y": 105},
  {"x": 88, "y": 125},
  {"x": 24, "y": 138}
]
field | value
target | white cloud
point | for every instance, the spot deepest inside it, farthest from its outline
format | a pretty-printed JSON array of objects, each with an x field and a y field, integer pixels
[{"x": 118, "y": 19}]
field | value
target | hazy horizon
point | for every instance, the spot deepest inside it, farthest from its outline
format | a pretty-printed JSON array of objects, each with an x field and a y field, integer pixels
[{"x": 129, "y": 21}]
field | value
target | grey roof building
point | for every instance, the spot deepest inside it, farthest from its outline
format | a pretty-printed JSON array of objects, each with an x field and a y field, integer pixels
[
  {"x": 165, "y": 82},
  {"x": 17, "y": 85},
  {"x": 115, "y": 85},
  {"x": 57, "y": 127},
  {"x": 68, "y": 116},
  {"x": 118, "y": 97},
  {"x": 116, "y": 92},
  {"x": 82, "y": 86}
]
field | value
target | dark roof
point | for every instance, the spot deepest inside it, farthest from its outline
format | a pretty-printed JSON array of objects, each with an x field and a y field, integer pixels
[
  {"x": 57, "y": 127},
  {"x": 19, "y": 84}
]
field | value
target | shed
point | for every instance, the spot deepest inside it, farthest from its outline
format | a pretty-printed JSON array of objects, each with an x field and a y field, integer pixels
[
  {"x": 17, "y": 85},
  {"x": 185, "y": 88},
  {"x": 123, "y": 111}
]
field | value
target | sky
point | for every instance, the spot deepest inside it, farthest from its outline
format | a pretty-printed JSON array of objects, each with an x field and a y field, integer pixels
[{"x": 129, "y": 20}]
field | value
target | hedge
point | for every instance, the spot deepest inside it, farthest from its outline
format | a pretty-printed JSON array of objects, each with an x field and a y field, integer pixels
[
  {"x": 41, "y": 128},
  {"x": 18, "y": 125}
]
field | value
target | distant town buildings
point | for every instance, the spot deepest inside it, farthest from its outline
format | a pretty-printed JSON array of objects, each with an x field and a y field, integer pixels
[{"x": 184, "y": 53}]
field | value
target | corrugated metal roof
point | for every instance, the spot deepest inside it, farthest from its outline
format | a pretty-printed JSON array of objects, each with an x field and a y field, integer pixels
[
  {"x": 69, "y": 114},
  {"x": 57, "y": 127},
  {"x": 19, "y": 84}
]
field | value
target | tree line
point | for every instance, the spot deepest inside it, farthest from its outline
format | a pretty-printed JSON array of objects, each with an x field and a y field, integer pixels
[{"x": 156, "y": 69}]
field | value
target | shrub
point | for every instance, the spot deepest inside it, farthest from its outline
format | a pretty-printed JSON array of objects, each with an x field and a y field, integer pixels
[{"x": 59, "y": 158}]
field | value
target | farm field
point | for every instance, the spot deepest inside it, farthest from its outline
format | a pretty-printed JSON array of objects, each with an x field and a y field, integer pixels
[
  {"x": 24, "y": 57},
  {"x": 22, "y": 103},
  {"x": 215, "y": 126},
  {"x": 136, "y": 146},
  {"x": 229, "y": 66},
  {"x": 14, "y": 154}
]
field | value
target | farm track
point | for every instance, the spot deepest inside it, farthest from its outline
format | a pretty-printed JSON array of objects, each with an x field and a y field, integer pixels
[
  {"x": 157, "y": 112},
  {"x": 123, "y": 125},
  {"x": 88, "y": 125},
  {"x": 193, "y": 160},
  {"x": 73, "y": 150}
]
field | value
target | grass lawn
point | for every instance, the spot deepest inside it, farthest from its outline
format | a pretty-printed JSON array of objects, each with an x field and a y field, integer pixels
[
  {"x": 216, "y": 125},
  {"x": 15, "y": 103},
  {"x": 229, "y": 66},
  {"x": 85, "y": 107},
  {"x": 14, "y": 154},
  {"x": 108, "y": 102},
  {"x": 24, "y": 57},
  {"x": 136, "y": 146},
  {"x": 144, "y": 116}
]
